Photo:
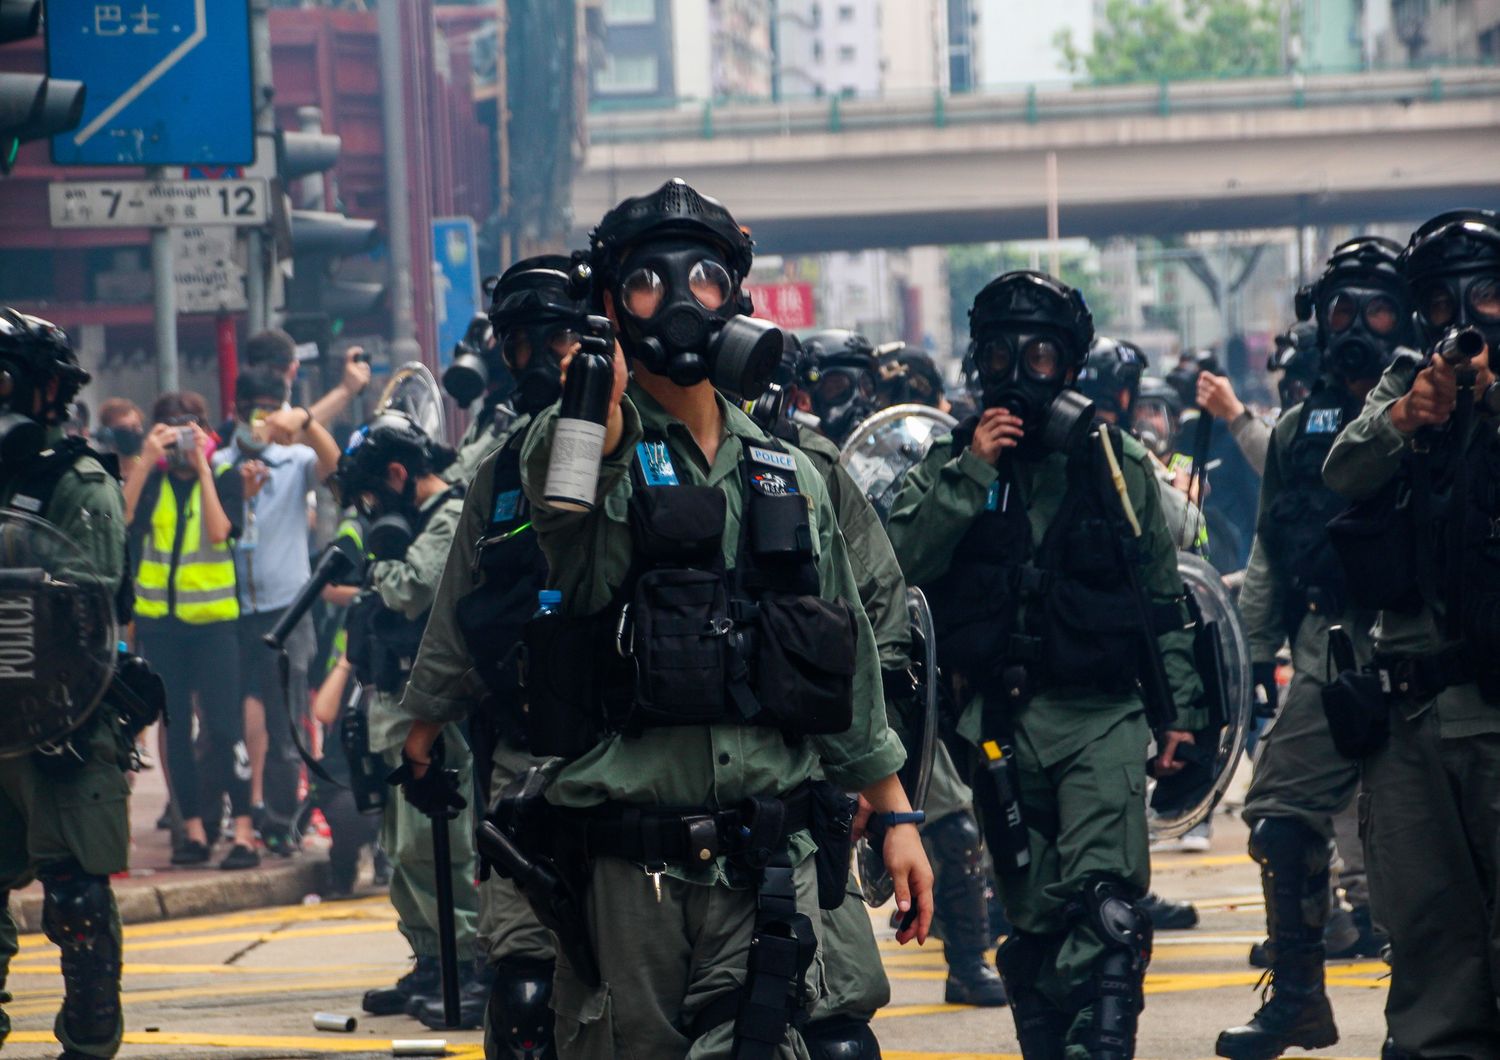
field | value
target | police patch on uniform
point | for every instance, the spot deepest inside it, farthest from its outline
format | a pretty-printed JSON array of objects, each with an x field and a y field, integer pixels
[
  {"x": 771, "y": 458},
  {"x": 656, "y": 464},
  {"x": 771, "y": 485},
  {"x": 1324, "y": 421},
  {"x": 506, "y": 506}
]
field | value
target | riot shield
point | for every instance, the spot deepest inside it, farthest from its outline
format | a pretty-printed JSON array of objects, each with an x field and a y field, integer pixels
[
  {"x": 916, "y": 775},
  {"x": 413, "y": 390},
  {"x": 1222, "y": 653},
  {"x": 882, "y": 449},
  {"x": 58, "y": 640}
]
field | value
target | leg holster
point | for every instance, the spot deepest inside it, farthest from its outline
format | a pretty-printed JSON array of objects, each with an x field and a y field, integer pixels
[
  {"x": 1114, "y": 996},
  {"x": 78, "y": 916},
  {"x": 1041, "y": 1026},
  {"x": 959, "y": 894},
  {"x": 519, "y": 1024},
  {"x": 780, "y": 953}
]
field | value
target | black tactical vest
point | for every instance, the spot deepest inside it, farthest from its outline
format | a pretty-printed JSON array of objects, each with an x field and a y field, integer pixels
[
  {"x": 394, "y": 638},
  {"x": 1294, "y": 527},
  {"x": 1013, "y": 617}
]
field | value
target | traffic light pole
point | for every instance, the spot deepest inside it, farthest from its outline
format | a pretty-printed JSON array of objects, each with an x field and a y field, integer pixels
[
  {"x": 258, "y": 263},
  {"x": 164, "y": 302},
  {"x": 393, "y": 63}
]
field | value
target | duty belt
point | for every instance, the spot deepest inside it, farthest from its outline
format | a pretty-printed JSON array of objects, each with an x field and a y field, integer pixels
[
  {"x": 690, "y": 836},
  {"x": 1419, "y": 678}
]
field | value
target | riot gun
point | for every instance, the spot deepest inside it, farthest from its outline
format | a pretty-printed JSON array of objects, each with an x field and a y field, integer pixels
[
  {"x": 334, "y": 565},
  {"x": 1459, "y": 346}
]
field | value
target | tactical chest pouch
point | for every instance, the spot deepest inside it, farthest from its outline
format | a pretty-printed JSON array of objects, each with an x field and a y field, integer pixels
[{"x": 1379, "y": 534}]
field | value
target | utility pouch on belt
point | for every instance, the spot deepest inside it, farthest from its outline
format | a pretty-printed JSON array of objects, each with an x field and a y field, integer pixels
[
  {"x": 1354, "y": 701},
  {"x": 559, "y": 673},
  {"x": 832, "y": 828},
  {"x": 681, "y": 639},
  {"x": 1379, "y": 534}
]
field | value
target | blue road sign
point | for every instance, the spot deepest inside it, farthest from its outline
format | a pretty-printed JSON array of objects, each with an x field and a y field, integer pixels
[
  {"x": 455, "y": 277},
  {"x": 168, "y": 81}
]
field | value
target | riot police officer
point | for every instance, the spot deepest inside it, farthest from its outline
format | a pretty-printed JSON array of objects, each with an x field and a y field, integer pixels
[
  {"x": 1293, "y": 593},
  {"x": 63, "y": 813},
  {"x": 391, "y": 471},
  {"x": 466, "y": 669},
  {"x": 1040, "y": 541},
  {"x": 908, "y": 376},
  {"x": 479, "y": 374},
  {"x": 1420, "y": 461},
  {"x": 682, "y": 816},
  {"x": 838, "y": 373}
]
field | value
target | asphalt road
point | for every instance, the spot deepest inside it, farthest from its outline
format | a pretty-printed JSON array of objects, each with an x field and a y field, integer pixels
[{"x": 246, "y": 985}]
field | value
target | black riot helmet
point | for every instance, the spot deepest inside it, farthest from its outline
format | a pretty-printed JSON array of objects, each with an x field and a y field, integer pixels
[
  {"x": 1157, "y": 415},
  {"x": 1111, "y": 378},
  {"x": 33, "y": 354},
  {"x": 392, "y": 437},
  {"x": 908, "y": 376},
  {"x": 1029, "y": 334},
  {"x": 1452, "y": 266},
  {"x": 673, "y": 264},
  {"x": 1362, "y": 308},
  {"x": 839, "y": 374},
  {"x": 1299, "y": 359},
  {"x": 538, "y": 306}
]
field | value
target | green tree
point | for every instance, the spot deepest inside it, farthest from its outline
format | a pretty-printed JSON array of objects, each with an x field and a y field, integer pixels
[{"x": 1152, "y": 42}]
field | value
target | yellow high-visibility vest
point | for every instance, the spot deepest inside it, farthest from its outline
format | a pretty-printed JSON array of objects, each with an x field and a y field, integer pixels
[{"x": 182, "y": 573}]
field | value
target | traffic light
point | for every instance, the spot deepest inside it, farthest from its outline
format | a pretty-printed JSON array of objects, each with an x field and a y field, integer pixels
[
  {"x": 318, "y": 297},
  {"x": 32, "y": 106}
]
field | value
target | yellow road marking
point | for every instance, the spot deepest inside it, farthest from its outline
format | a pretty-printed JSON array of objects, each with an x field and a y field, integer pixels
[
  {"x": 891, "y": 1012},
  {"x": 134, "y": 968},
  {"x": 136, "y": 997},
  {"x": 326, "y": 1043}
]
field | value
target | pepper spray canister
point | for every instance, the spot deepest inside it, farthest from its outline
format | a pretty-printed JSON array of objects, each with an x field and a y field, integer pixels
[{"x": 578, "y": 438}]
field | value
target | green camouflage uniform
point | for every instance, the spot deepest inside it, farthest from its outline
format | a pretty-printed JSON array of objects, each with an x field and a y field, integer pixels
[
  {"x": 445, "y": 688},
  {"x": 663, "y": 961},
  {"x": 1430, "y": 808},
  {"x": 1080, "y": 753},
  {"x": 81, "y": 815},
  {"x": 408, "y": 585}
]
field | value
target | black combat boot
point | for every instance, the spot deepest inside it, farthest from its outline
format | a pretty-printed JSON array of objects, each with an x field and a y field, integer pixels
[
  {"x": 1041, "y": 1027},
  {"x": 841, "y": 1038},
  {"x": 475, "y": 979},
  {"x": 1166, "y": 915},
  {"x": 1294, "y": 876},
  {"x": 1370, "y": 943},
  {"x": 519, "y": 1023},
  {"x": 1389, "y": 1050},
  {"x": 963, "y": 911},
  {"x": 425, "y": 979},
  {"x": 78, "y": 917}
]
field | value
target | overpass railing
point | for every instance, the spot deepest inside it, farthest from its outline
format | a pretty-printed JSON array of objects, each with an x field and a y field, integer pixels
[{"x": 1036, "y": 104}]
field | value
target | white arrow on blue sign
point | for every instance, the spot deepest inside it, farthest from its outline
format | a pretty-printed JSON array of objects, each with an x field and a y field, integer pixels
[{"x": 168, "y": 81}]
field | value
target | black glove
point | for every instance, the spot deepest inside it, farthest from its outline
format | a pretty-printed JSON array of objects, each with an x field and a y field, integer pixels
[
  {"x": 1263, "y": 677},
  {"x": 435, "y": 792}
]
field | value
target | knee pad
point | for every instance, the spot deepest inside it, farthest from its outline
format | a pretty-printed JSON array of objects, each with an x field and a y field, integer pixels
[
  {"x": 1107, "y": 904},
  {"x": 1286, "y": 845},
  {"x": 841, "y": 1038},
  {"x": 519, "y": 1024},
  {"x": 78, "y": 916},
  {"x": 955, "y": 838}
]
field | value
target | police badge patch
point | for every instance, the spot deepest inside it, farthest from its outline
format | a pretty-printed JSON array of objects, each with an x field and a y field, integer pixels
[{"x": 771, "y": 485}]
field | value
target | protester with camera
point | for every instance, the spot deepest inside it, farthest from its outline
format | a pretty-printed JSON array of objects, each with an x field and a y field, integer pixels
[
  {"x": 271, "y": 561},
  {"x": 275, "y": 351},
  {"x": 1422, "y": 463},
  {"x": 178, "y": 506},
  {"x": 121, "y": 431}
]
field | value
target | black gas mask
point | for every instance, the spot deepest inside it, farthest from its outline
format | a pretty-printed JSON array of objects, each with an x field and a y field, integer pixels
[
  {"x": 1026, "y": 373},
  {"x": 21, "y": 436},
  {"x": 842, "y": 396},
  {"x": 1361, "y": 328},
  {"x": 537, "y": 309},
  {"x": 363, "y": 481},
  {"x": 1452, "y": 265},
  {"x": 1461, "y": 301},
  {"x": 476, "y": 368},
  {"x": 542, "y": 347},
  {"x": 682, "y": 315}
]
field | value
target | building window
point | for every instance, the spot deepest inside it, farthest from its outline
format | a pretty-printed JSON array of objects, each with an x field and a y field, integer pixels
[
  {"x": 818, "y": 50},
  {"x": 627, "y": 75},
  {"x": 846, "y": 53},
  {"x": 846, "y": 12},
  {"x": 629, "y": 12}
]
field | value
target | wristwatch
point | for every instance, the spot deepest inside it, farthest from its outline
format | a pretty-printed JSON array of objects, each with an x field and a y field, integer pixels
[{"x": 891, "y": 820}]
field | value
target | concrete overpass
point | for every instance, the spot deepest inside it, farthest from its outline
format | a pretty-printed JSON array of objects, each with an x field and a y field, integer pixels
[{"x": 1131, "y": 160}]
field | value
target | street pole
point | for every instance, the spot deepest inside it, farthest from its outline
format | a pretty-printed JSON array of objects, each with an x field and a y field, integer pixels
[
  {"x": 258, "y": 263},
  {"x": 404, "y": 345},
  {"x": 1054, "y": 252},
  {"x": 164, "y": 302}
]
